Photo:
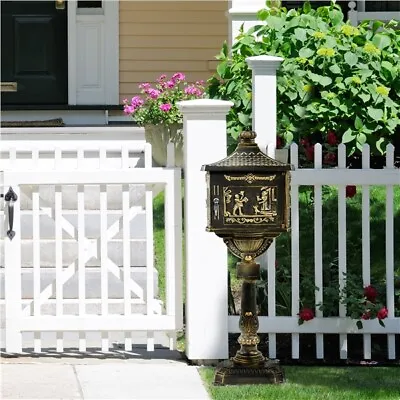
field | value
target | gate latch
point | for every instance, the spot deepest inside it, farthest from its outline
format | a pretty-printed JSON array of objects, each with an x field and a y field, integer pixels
[{"x": 10, "y": 197}]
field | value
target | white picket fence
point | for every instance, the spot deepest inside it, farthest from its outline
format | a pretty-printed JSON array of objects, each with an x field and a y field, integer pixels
[
  {"x": 46, "y": 176},
  {"x": 342, "y": 325}
]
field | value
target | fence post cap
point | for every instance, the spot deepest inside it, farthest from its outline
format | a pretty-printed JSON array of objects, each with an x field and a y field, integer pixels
[
  {"x": 264, "y": 64},
  {"x": 204, "y": 106}
]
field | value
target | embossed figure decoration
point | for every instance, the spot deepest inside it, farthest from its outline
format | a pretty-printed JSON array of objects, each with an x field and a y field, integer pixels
[{"x": 249, "y": 195}]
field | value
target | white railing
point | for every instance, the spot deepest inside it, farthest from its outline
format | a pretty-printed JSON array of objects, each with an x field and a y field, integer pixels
[
  {"x": 357, "y": 13},
  {"x": 57, "y": 181},
  {"x": 342, "y": 325}
]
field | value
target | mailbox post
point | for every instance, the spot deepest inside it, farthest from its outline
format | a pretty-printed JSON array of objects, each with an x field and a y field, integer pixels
[{"x": 248, "y": 206}]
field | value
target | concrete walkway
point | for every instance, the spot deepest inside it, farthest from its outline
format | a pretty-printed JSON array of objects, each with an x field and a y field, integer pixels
[{"x": 55, "y": 378}]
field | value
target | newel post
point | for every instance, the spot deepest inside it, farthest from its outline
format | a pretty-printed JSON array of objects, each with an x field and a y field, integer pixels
[
  {"x": 204, "y": 125},
  {"x": 264, "y": 97}
]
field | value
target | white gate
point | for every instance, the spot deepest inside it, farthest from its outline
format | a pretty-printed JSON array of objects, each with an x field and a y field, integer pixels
[{"x": 136, "y": 306}]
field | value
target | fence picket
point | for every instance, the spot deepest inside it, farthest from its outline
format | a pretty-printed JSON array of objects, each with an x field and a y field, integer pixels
[
  {"x": 342, "y": 244},
  {"x": 366, "y": 241},
  {"x": 318, "y": 248},
  {"x": 149, "y": 262},
  {"x": 81, "y": 260},
  {"x": 295, "y": 249},
  {"x": 36, "y": 263},
  {"x": 103, "y": 256},
  {"x": 126, "y": 259},
  {"x": 389, "y": 240},
  {"x": 58, "y": 244}
]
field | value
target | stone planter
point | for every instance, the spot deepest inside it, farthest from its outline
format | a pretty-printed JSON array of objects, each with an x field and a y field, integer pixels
[{"x": 159, "y": 136}]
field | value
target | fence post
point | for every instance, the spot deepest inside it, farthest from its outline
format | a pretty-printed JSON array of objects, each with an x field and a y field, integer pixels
[
  {"x": 204, "y": 123},
  {"x": 264, "y": 97}
]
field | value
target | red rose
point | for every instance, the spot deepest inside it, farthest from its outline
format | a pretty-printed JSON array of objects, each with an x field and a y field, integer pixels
[
  {"x": 310, "y": 152},
  {"x": 366, "y": 315},
  {"x": 331, "y": 138},
  {"x": 330, "y": 158},
  {"x": 304, "y": 142},
  {"x": 382, "y": 313},
  {"x": 370, "y": 293},
  {"x": 279, "y": 143},
  {"x": 351, "y": 191},
  {"x": 306, "y": 314}
]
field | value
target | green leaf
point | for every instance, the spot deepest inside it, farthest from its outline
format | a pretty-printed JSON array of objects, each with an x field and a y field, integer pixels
[
  {"x": 361, "y": 139},
  {"x": 381, "y": 323},
  {"x": 221, "y": 68},
  {"x": 334, "y": 69},
  {"x": 244, "y": 119},
  {"x": 325, "y": 80},
  {"x": 375, "y": 113},
  {"x": 348, "y": 136},
  {"x": 376, "y": 25},
  {"x": 381, "y": 41},
  {"x": 307, "y": 7},
  {"x": 274, "y": 22},
  {"x": 300, "y": 34},
  {"x": 364, "y": 97},
  {"x": 381, "y": 144},
  {"x": 350, "y": 58},
  {"x": 300, "y": 111},
  {"x": 359, "y": 324},
  {"x": 305, "y": 52},
  {"x": 358, "y": 124}
]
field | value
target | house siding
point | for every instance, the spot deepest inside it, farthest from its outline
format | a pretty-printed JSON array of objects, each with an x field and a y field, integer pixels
[{"x": 159, "y": 37}]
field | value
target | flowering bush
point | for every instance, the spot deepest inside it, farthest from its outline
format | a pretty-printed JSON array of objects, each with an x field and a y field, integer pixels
[
  {"x": 157, "y": 105},
  {"x": 334, "y": 78}
]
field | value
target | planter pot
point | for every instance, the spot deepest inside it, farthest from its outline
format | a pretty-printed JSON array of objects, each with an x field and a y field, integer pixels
[
  {"x": 159, "y": 136},
  {"x": 282, "y": 155}
]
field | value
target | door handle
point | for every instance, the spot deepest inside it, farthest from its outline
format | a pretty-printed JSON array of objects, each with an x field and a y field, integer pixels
[
  {"x": 10, "y": 197},
  {"x": 60, "y": 4},
  {"x": 9, "y": 86}
]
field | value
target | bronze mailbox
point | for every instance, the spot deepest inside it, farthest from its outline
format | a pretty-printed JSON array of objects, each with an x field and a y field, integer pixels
[{"x": 248, "y": 206}]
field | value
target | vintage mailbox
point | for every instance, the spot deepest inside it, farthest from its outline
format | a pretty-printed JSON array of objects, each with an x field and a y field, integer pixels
[{"x": 248, "y": 206}]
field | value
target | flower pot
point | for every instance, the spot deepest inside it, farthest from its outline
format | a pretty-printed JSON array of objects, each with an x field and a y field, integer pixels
[{"x": 159, "y": 136}]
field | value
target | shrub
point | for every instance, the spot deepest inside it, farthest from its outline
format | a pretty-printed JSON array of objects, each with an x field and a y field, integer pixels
[{"x": 334, "y": 78}]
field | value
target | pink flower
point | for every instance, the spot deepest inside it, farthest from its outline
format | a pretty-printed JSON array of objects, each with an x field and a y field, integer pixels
[
  {"x": 331, "y": 138},
  {"x": 193, "y": 90},
  {"x": 144, "y": 86},
  {"x": 351, "y": 191},
  {"x": 178, "y": 77},
  {"x": 382, "y": 313},
  {"x": 370, "y": 293},
  {"x": 154, "y": 93},
  {"x": 165, "y": 107},
  {"x": 306, "y": 314},
  {"x": 170, "y": 84},
  {"x": 162, "y": 77}
]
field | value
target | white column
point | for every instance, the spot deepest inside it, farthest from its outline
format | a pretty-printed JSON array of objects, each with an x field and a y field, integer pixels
[
  {"x": 243, "y": 12},
  {"x": 204, "y": 123},
  {"x": 264, "y": 97}
]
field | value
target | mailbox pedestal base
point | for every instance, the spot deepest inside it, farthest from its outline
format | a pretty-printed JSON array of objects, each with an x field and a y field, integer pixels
[{"x": 228, "y": 373}]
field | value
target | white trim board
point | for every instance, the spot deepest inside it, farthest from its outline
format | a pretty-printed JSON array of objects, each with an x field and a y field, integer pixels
[{"x": 93, "y": 55}]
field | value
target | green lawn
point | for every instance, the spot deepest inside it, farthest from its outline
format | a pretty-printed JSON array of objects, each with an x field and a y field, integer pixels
[{"x": 316, "y": 383}]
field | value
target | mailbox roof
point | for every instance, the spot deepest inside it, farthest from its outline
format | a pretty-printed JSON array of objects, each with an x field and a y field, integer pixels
[{"x": 247, "y": 157}]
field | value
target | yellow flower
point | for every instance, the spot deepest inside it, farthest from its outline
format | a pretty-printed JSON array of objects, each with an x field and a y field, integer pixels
[
  {"x": 371, "y": 48},
  {"x": 383, "y": 90},
  {"x": 326, "y": 51},
  {"x": 349, "y": 30},
  {"x": 307, "y": 88},
  {"x": 301, "y": 60},
  {"x": 356, "y": 80},
  {"x": 319, "y": 35}
]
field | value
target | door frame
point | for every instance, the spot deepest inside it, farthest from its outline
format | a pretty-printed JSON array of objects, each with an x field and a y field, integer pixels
[{"x": 106, "y": 91}]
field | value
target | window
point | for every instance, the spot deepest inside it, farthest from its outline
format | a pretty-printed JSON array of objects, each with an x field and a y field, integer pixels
[{"x": 89, "y": 4}]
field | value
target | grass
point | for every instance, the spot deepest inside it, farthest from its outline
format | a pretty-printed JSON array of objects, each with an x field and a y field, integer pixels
[{"x": 315, "y": 383}]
